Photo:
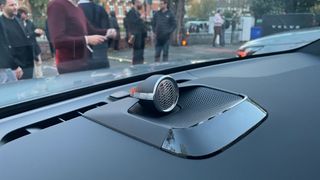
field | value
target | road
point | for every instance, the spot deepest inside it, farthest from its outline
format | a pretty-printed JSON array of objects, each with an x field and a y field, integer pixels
[{"x": 122, "y": 58}]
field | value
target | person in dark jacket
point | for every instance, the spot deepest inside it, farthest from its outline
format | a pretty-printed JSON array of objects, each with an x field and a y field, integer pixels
[
  {"x": 72, "y": 36},
  {"x": 99, "y": 18},
  {"x": 6, "y": 60},
  {"x": 114, "y": 23},
  {"x": 137, "y": 32},
  {"x": 33, "y": 33},
  {"x": 125, "y": 25},
  {"x": 95, "y": 14},
  {"x": 18, "y": 40},
  {"x": 163, "y": 24},
  {"x": 52, "y": 50}
]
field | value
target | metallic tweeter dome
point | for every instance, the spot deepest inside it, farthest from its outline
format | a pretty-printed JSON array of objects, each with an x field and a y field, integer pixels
[{"x": 159, "y": 92}]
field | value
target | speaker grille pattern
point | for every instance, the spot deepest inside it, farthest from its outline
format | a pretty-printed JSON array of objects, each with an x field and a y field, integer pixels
[
  {"x": 166, "y": 94},
  {"x": 196, "y": 104}
]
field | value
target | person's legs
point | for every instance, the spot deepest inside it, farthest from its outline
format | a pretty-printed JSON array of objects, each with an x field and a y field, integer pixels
[
  {"x": 158, "y": 49},
  {"x": 166, "y": 51},
  {"x": 217, "y": 31},
  {"x": 138, "y": 50},
  {"x": 27, "y": 73},
  {"x": 116, "y": 44},
  {"x": 99, "y": 58},
  {"x": 222, "y": 42},
  {"x": 137, "y": 56}
]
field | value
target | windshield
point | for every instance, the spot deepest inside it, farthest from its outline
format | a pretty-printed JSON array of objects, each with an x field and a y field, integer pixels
[{"x": 54, "y": 46}]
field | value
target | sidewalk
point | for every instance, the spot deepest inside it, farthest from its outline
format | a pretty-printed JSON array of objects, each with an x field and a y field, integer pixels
[
  {"x": 176, "y": 53},
  {"x": 122, "y": 58}
]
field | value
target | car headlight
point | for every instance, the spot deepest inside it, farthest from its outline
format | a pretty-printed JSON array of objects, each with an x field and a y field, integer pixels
[{"x": 248, "y": 51}]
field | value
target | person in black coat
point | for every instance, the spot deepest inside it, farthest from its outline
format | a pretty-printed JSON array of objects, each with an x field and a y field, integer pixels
[
  {"x": 52, "y": 49},
  {"x": 19, "y": 45},
  {"x": 125, "y": 25},
  {"x": 33, "y": 33},
  {"x": 6, "y": 60},
  {"x": 137, "y": 32},
  {"x": 98, "y": 18},
  {"x": 114, "y": 23},
  {"x": 163, "y": 24}
]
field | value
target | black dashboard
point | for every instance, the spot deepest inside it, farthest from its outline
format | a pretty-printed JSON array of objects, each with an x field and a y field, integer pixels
[{"x": 61, "y": 141}]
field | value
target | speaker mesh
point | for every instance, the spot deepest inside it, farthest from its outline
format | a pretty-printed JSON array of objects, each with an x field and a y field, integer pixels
[
  {"x": 196, "y": 104},
  {"x": 166, "y": 94}
]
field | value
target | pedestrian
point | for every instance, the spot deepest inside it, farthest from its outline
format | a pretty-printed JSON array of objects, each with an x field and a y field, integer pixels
[
  {"x": 32, "y": 32},
  {"x": 52, "y": 50},
  {"x": 19, "y": 43},
  {"x": 137, "y": 32},
  {"x": 114, "y": 23},
  {"x": 163, "y": 24},
  {"x": 218, "y": 22},
  {"x": 234, "y": 22},
  {"x": 125, "y": 25},
  {"x": 99, "y": 18},
  {"x": 72, "y": 36},
  {"x": 224, "y": 26},
  {"x": 7, "y": 62}
]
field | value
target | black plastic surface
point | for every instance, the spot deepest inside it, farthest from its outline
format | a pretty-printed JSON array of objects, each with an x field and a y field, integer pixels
[
  {"x": 285, "y": 146},
  {"x": 205, "y": 122}
]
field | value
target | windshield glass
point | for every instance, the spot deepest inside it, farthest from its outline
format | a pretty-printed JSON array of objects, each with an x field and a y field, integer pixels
[{"x": 54, "y": 46}]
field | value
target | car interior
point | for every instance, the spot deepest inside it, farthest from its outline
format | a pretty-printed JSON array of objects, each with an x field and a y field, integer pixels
[{"x": 254, "y": 118}]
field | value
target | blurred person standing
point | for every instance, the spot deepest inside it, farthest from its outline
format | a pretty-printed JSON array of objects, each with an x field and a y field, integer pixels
[
  {"x": 125, "y": 25},
  {"x": 99, "y": 18},
  {"x": 163, "y": 24},
  {"x": 72, "y": 35},
  {"x": 33, "y": 33},
  {"x": 234, "y": 22},
  {"x": 137, "y": 32},
  {"x": 224, "y": 26},
  {"x": 218, "y": 22},
  {"x": 19, "y": 44},
  {"x": 6, "y": 59},
  {"x": 52, "y": 50},
  {"x": 114, "y": 23}
]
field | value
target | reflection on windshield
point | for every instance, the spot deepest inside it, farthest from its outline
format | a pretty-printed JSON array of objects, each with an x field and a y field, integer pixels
[{"x": 41, "y": 38}]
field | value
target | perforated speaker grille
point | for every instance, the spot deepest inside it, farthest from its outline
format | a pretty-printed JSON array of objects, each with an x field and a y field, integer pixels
[
  {"x": 196, "y": 104},
  {"x": 166, "y": 95}
]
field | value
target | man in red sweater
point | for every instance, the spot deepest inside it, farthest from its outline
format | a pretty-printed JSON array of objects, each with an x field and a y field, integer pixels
[{"x": 72, "y": 35}]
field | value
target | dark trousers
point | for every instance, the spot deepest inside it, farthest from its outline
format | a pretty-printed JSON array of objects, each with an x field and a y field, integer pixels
[
  {"x": 97, "y": 60},
  {"x": 99, "y": 57},
  {"x": 218, "y": 31},
  {"x": 162, "y": 47},
  {"x": 27, "y": 73},
  {"x": 138, "y": 49},
  {"x": 114, "y": 43}
]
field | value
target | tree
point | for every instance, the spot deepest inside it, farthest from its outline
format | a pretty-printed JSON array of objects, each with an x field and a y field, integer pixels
[
  {"x": 299, "y": 6},
  {"x": 177, "y": 6},
  {"x": 201, "y": 9},
  {"x": 39, "y": 9},
  {"x": 261, "y": 7}
]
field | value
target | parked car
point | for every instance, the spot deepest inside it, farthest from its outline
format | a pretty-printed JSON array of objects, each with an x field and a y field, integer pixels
[
  {"x": 197, "y": 26},
  {"x": 279, "y": 42}
]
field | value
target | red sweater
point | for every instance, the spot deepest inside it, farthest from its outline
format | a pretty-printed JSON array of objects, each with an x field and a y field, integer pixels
[{"x": 68, "y": 26}]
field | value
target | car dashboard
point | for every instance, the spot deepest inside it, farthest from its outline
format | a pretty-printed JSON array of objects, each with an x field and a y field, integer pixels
[{"x": 71, "y": 140}]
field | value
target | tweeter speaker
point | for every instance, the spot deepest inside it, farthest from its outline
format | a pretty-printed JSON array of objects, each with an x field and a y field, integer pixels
[{"x": 158, "y": 92}]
